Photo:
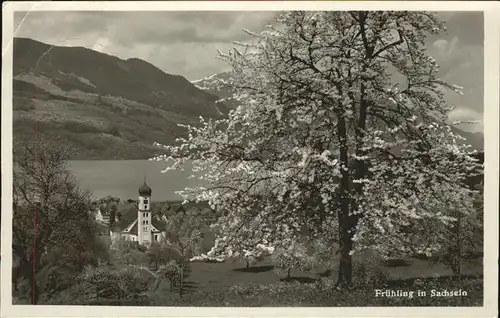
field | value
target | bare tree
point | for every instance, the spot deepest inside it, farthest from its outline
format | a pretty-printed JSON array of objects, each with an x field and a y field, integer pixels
[{"x": 49, "y": 210}]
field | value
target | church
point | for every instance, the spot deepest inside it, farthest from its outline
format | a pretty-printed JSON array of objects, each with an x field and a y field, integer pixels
[{"x": 143, "y": 229}]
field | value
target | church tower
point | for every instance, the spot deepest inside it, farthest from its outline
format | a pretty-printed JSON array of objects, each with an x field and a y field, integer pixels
[{"x": 144, "y": 226}]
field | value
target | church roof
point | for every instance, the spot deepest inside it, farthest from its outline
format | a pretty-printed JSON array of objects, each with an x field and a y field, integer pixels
[
  {"x": 145, "y": 190},
  {"x": 158, "y": 227},
  {"x": 132, "y": 228}
]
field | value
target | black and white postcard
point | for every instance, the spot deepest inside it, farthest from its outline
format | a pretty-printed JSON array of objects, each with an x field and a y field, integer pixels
[{"x": 250, "y": 159}]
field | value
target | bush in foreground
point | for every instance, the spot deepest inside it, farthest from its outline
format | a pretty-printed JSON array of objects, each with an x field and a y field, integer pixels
[{"x": 105, "y": 285}]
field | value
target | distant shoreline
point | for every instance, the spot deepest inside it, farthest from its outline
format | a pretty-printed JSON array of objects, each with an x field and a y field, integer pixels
[{"x": 108, "y": 159}]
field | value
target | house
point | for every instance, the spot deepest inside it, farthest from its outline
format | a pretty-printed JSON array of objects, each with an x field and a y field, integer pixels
[
  {"x": 100, "y": 217},
  {"x": 143, "y": 229}
]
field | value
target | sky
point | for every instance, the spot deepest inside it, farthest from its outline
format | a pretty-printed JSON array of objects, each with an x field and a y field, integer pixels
[{"x": 186, "y": 43}]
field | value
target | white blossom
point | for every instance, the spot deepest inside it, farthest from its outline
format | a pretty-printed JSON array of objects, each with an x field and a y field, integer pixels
[{"x": 274, "y": 166}]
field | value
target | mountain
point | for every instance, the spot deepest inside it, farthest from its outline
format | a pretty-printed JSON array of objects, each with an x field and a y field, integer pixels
[
  {"x": 219, "y": 86},
  {"x": 475, "y": 139},
  {"x": 106, "y": 107},
  {"x": 103, "y": 106}
]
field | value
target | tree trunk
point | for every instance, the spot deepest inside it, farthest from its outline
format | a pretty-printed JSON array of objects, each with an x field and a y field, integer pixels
[
  {"x": 459, "y": 238},
  {"x": 345, "y": 261},
  {"x": 248, "y": 264},
  {"x": 181, "y": 279},
  {"x": 459, "y": 268},
  {"x": 456, "y": 268},
  {"x": 345, "y": 226},
  {"x": 348, "y": 221},
  {"x": 34, "y": 292},
  {"x": 346, "y": 233},
  {"x": 454, "y": 253},
  {"x": 28, "y": 267},
  {"x": 456, "y": 261},
  {"x": 16, "y": 271},
  {"x": 289, "y": 273}
]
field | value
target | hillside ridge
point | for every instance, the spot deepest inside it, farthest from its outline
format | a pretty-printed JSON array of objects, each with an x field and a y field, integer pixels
[
  {"x": 102, "y": 106},
  {"x": 105, "y": 107}
]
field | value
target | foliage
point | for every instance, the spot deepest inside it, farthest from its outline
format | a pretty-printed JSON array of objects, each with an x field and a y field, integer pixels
[
  {"x": 462, "y": 238},
  {"x": 108, "y": 206},
  {"x": 126, "y": 212},
  {"x": 321, "y": 251},
  {"x": 184, "y": 232},
  {"x": 305, "y": 256},
  {"x": 103, "y": 283},
  {"x": 326, "y": 130},
  {"x": 50, "y": 213},
  {"x": 183, "y": 239},
  {"x": 60, "y": 266},
  {"x": 293, "y": 256},
  {"x": 253, "y": 255},
  {"x": 128, "y": 253},
  {"x": 172, "y": 270},
  {"x": 161, "y": 254},
  {"x": 368, "y": 272}
]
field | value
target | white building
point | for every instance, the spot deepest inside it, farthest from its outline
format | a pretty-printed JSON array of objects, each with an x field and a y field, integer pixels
[
  {"x": 101, "y": 218},
  {"x": 143, "y": 229}
]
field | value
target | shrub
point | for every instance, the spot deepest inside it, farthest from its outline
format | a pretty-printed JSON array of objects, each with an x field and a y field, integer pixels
[
  {"x": 55, "y": 278},
  {"x": 104, "y": 284},
  {"x": 367, "y": 270}
]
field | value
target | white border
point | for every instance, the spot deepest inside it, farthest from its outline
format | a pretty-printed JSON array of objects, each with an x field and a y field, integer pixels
[{"x": 491, "y": 131}]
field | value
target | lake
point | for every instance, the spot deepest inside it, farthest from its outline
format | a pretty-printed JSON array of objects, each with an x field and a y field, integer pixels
[{"x": 122, "y": 178}]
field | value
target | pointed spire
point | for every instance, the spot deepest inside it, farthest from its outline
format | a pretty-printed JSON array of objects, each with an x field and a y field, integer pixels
[{"x": 145, "y": 189}]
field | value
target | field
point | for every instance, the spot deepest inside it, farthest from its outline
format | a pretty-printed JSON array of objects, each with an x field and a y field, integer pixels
[
  {"x": 212, "y": 277},
  {"x": 231, "y": 284}
]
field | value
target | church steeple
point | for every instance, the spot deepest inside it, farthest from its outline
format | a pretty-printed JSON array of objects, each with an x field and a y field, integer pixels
[
  {"x": 145, "y": 190},
  {"x": 144, "y": 214}
]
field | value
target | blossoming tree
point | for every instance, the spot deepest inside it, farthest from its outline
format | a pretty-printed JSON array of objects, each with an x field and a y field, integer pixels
[
  {"x": 294, "y": 256},
  {"x": 341, "y": 116}
]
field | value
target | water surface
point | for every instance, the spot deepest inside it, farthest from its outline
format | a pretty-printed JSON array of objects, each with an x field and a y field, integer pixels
[{"x": 122, "y": 178}]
